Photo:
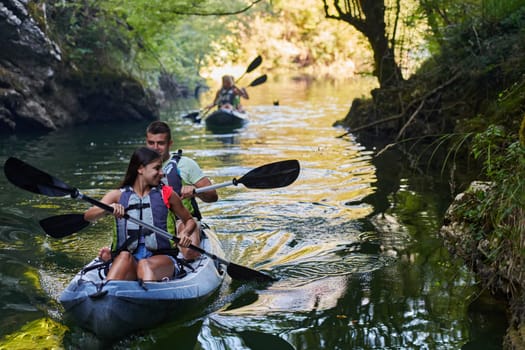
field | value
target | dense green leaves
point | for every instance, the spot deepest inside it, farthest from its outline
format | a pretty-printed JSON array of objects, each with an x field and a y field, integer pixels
[
  {"x": 176, "y": 36},
  {"x": 141, "y": 38}
]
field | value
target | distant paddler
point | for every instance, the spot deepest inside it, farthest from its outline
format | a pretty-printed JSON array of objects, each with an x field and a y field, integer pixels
[{"x": 228, "y": 97}]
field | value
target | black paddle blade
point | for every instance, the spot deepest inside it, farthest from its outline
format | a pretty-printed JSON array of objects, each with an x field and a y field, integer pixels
[
  {"x": 193, "y": 116},
  {"x": 273, "y": 175},
  {"x": 262, "y": 79},
  {"x": 34, "y": 180},
  {"x": 243, "y": 273},
  {"x": 63, "y": 225},
  {"x": 255, "y": 63}
]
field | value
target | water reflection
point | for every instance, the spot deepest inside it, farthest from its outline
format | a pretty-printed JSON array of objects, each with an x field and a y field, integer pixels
[
  {"x": 356, "y": 251},
  {"x": 227, "y": 138}
]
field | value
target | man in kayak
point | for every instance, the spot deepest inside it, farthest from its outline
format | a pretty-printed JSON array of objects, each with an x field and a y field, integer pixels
[
  {"x": 229, "y": 96},
  {"x": 184, "y": 175},
  {"x": 140, "y": 253}
]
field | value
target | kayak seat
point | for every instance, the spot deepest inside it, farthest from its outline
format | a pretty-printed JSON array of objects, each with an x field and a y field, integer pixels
[{"x": 180, "y": 271}]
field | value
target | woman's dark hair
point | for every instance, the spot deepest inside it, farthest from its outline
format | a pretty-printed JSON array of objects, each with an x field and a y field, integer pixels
[{"x": 142, "y": 156}]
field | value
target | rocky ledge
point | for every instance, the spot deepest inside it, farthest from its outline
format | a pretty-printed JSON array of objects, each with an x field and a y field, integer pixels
[
  {"x": 496, "y": 261},
  {"x": 39, "y": 91}
]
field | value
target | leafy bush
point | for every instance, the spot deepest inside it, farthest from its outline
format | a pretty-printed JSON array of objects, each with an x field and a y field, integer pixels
[{"x": 502, "y": 208}]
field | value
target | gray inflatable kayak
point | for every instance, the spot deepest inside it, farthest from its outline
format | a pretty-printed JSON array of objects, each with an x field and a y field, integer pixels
[{"x": 113, "y": 309}]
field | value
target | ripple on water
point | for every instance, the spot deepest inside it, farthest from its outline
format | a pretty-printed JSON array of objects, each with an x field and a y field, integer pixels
[{"x": 316, "y": 234}]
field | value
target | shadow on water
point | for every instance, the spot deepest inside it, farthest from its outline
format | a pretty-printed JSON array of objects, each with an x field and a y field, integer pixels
[{"x": 224, "y": 130}]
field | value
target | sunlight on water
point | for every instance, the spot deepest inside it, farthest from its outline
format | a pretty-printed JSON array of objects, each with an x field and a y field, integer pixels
[
  {"x": 301, "y": 232},
  {"x": 345, "y": 277}
]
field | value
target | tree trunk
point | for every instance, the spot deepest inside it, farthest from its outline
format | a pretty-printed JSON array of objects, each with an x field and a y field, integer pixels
[{"x": 368, "y": 17}]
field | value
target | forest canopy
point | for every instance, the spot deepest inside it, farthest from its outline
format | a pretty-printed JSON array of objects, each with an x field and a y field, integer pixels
[{"x": 185, "y": 38}]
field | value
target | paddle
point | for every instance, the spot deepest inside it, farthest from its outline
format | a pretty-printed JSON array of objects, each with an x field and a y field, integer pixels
[
  {"x": 262, "y": 79},
  {"x": 192, "y": 115},
  {"x": 60, "y": 226},
  {"x": 34, "y": 180},
  {"x": 272, "y": 175},
  {"x": 254, "y": 64}
]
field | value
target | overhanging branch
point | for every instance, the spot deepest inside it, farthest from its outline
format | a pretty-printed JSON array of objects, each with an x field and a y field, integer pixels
[
  {"x": 215, "y": 13},
  {"x": 421, "y": 102}
]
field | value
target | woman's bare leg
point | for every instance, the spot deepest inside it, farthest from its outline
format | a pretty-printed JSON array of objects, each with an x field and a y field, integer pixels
[
  {"x": 155, "y": 268},
  {"x": 123, "y": 267}
]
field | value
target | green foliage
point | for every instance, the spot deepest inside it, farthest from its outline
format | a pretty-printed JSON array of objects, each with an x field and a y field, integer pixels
[
  {"x": 91, "y": 37},
  {"x": 483, "y": 43},
  {"x": 493, "y": 214},
  {"x": 522, "y": 132},
  {"x": 296, "y": 37},
  {"x": 447, "y": 18},
  {"x": 487, "y": 145},
  {"x": 141, "y": 38},
  {"x": 145, "y": 38},
  {"x": 496, "y": 10},
  {"x": 499, "y": 211},
  {"x": 182, "y": 36},
  {"x": 508, "y": 108},
  {"x": 504, "y": 163},
  {"x": 487, "y": 59},
  {"x": 166, "y": 37}
]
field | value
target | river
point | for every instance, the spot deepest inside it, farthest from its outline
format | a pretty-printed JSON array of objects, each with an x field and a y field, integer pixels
[{"x": 354, "y": 240}]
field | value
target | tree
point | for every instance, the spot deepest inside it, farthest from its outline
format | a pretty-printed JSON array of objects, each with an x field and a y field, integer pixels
[{"x": 368, "y": 17}]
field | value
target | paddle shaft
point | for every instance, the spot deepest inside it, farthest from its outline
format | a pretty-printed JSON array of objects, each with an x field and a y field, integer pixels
[
  {"x": 146, "y": 225},
  {"x": 234, "y": 270},
  {"x": 272, "y": 175},
  {"x": 216, "y": 186}
]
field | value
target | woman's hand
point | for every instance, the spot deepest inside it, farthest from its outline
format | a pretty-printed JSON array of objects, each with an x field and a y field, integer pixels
[
  {"x": 104, "y": 253},
  {"x": 118, "y": 210}
]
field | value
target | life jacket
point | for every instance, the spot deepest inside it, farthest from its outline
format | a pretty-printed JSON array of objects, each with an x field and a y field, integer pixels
[
  {"x": 153, "y": 210},
  {"x": 171, "y": 172},
  {"x": 228, "y": 96},
  {"x": 174, "y": 180}
]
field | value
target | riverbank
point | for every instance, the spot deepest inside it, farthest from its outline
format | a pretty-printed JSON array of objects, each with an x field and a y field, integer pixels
[
  {"x": 464, "y": 110},
  {"x": 496, "y": 259}
]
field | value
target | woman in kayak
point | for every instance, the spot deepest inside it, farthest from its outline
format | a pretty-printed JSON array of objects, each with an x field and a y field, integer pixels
[
  {"x": 229, "y": 95},
  {"x": 138, "y": 250}
]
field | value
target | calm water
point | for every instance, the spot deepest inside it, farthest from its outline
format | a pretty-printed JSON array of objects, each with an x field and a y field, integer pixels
[{"x": 353, "y": 241}]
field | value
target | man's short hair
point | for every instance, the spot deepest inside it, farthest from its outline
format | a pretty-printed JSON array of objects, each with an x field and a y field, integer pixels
[{"x": 159, "y": 127}]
